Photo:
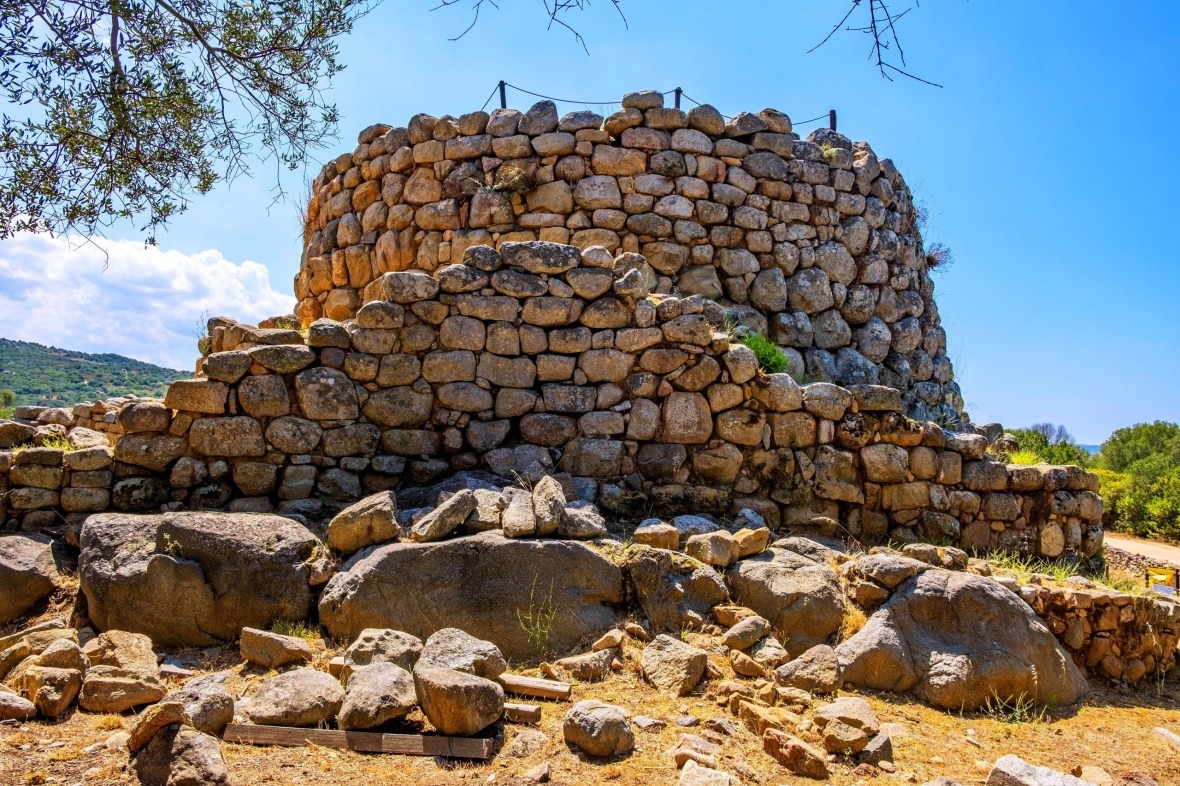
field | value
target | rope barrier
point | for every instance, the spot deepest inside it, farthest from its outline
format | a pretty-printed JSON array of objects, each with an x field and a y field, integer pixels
[{"x": 680, "y": 93}]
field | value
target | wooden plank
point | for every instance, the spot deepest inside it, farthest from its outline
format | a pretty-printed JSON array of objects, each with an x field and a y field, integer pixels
[
  {"x": 521, "y": 713},
  {"x": 365, "y": 742},
  {"x": 535, "y": 686}
]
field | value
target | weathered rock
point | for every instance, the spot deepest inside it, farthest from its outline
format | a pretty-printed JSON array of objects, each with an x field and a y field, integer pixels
[
  {"x": 1011, "y": 770},
  {"x": 17, "y": 708},
  {"x": 816, "y": 671},
  {"x": 112, "y": 689},
  {"x": 51, "y": 690},
  {"x": 796, "y": 756},
  {"x": 452, "y": 648},
  {"x": 444, "y": 519},
  {"x": 382, "y": 588},
  {"x": 598, "y": 729},
  {"x": 455, "y": 702},
  {"x": 588, "y": 667},
  {"x": 210, "y": 706},
  {"x": 234, "y": 570},
  {"x": 303, "y": 697},
  {"x": 746, "y": 632},
  {"x": 673, "y": 589},
  {"x": 181, "y": 756},
  {"x": 372, "y": 520},
  {"x": 803, "y": 600},
  {"x": 839, "y": 737},
  {"x": 152, "y": 720},
  {"x": 930, "y": 637},
  {"x": 673, "y": 666},
  {"x": 381, "y": 645},
  {"x": 851, "y": 710},
  {"x": 28, "y": 573},
  {"x": 272, "y": 650},
  {"x": 376, "y": 694}
]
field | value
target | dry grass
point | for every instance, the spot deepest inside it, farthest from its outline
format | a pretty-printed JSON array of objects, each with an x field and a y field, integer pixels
[{"x": 1110, "y": 730}]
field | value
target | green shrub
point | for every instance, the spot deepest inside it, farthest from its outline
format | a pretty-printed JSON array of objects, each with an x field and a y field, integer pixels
[
  {"x": 771, "y": 359},
  {"x": 1027, "y": 457}
]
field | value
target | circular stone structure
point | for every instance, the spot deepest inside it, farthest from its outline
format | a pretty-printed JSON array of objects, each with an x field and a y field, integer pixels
[{"x": 812, "y": 243}]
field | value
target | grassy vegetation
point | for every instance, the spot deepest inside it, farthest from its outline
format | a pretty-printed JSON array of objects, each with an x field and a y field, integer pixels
[
  {"x": 300, "y": 630},
  {"x": 771, "y": 359},
  {"x": 1139, "y": 468},
  {"x": 46, "y": 376}
]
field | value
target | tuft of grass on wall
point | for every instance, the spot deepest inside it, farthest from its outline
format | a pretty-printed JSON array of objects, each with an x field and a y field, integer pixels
[{"x": 771, "y": 359}]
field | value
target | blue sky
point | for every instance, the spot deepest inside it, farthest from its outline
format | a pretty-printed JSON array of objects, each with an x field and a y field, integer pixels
[{"x": 1045, "y": 163}]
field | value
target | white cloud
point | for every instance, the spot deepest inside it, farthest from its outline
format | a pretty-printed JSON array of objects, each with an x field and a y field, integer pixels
[{"x": 135, "y": 300}]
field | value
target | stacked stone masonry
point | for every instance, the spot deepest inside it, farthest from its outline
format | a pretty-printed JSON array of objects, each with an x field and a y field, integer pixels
[
  {"x": 537, "y": 359},
  {"x": 814, "y": 243}
]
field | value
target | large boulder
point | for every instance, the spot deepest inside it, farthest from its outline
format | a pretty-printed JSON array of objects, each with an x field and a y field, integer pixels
[
  {"x": 194, "y": 579},
  {"x": 483, "y": 584},
  {"x": 673, "y": 589},
  {"x": 28, "y": 573},
  {"x": 673, "y": 666},
  {"x": 210, "y": 706},
  {"x": 454, "y": 649},
  {"x": 958, "y": 640},
  {"x": 802, "y": 599}
]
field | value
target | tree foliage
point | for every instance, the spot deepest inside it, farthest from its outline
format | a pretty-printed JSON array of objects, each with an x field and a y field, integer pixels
[
  {"x": 1140, "y": 471},
  {"x": 1052, "y": 444},
  {"x": 122, "y": 109}
]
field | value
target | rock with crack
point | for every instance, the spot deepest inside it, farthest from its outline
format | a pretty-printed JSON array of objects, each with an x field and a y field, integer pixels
[
  {"x": 233, "y": 570},
  {"x": 794, "y": 754},
  {"x": 123, "y": 673},
  {"x": 483, "y": 584},
  {"x": 598, "y": 729},
  {"x": 802, "y": 599},
  {"x": 958, "y": 640}
]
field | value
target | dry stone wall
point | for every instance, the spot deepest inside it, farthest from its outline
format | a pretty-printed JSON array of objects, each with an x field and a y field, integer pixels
[
  {"x": 571, "y": 366},
  {"x": 814, "y": 243}
]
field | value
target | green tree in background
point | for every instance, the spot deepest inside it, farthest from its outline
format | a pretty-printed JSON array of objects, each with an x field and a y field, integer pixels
[
  {"x": 7, "y": 402},
  {"x": 1140, "y": 471},
  {"x": 1052, "y": 444}
]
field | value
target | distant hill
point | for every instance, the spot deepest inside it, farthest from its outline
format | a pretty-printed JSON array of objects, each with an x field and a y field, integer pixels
[
  {"x": 48, "y": 376},
  {"x": 1091, "y": 448}
]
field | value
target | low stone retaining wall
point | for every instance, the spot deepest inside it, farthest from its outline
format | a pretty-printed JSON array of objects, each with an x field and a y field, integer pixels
[
  {"x": 536, "y": 359},
  {"x": 1110, "y": 634}
]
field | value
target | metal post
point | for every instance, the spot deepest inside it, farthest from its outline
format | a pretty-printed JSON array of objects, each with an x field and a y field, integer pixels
[
  {"x": 503, "y": 95},
  {"x": 832, "y": 119},
  {"x": 678, "y": 92}
]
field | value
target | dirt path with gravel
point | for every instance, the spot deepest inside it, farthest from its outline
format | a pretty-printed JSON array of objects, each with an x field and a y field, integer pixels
[{"x": 1153, "y": 550}]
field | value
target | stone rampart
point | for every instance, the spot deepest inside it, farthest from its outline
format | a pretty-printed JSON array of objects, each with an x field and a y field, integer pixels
[
  {"x": 542, "y": 359},
  {"x": 814, "y": 243}
]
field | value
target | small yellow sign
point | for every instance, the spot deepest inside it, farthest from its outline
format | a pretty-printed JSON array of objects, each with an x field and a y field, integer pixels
[{"x": 1161, "y": 576}]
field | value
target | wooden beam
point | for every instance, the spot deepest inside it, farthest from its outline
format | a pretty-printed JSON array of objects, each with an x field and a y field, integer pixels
[
  {"x": 535, "y": 686},
  {"x": 521, "y": 713},
  {"x": 365, "y": 742}
]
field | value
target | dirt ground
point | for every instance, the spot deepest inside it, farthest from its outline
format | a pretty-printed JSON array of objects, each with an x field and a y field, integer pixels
[{"x": 1112, "y": 729}]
